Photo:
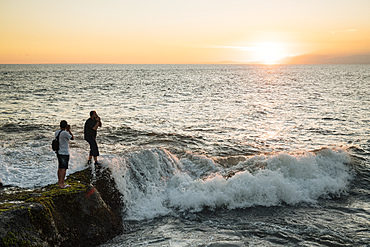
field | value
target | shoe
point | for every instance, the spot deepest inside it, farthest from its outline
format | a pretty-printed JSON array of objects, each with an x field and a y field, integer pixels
[
  {"x": 65, "y": 186},
  {"x": 89, "y": 162}
]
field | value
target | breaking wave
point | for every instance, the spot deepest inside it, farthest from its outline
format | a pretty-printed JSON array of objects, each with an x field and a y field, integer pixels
[{"x": 156, "y": 183}]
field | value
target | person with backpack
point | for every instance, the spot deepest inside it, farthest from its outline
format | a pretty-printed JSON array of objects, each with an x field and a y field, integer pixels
[{"x": 63, "y": 136}]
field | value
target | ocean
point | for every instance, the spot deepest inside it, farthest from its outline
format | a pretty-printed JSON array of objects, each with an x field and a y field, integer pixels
[{"x": 205, "y": 155}]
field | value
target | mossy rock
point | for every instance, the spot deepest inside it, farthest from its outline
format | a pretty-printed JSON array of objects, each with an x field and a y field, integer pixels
[{"x": 50, "y": 216}]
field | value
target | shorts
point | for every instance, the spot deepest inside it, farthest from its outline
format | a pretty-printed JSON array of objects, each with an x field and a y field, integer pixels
[
  {"x": 63, "y": 161},
  {"x": 94, "y": 151}
]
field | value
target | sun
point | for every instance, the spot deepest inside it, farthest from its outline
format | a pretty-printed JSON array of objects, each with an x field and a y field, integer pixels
[{"x": 269, "y": 53}]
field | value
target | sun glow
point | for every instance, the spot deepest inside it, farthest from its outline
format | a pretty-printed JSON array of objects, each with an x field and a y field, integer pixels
[{"x": 269, "y": 53}]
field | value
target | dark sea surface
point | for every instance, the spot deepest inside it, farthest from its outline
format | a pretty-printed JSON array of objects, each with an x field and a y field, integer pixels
[{"x": 205, "y": 155}]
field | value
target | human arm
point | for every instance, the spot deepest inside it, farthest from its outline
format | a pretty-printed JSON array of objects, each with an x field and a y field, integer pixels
[
  {"x": 68, "y": 129},
  {"x": 98, "y": 123}
]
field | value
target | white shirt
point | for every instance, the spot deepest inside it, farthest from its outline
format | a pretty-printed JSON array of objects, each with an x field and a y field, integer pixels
[{"x": 63, "y": 142}]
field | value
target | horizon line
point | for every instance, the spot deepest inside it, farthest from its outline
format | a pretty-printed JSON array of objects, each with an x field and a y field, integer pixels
[{"x": 204, "y": 63}]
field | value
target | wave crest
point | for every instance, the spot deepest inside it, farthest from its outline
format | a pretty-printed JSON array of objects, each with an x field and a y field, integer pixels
[{"x": 155, "y": 183}]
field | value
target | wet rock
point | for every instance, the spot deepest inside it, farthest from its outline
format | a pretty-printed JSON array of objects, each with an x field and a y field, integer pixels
[
  {"x": 82, "y": 215},
  {"x": 107, "y": 187},
  {"x": 17, "y": 228}
]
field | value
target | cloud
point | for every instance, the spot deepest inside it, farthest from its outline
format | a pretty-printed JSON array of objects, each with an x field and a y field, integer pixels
[
  {"x": 344, "y": 31},
  {"x": 243, "y": 48},
  {"x": 325, "y": 59}
]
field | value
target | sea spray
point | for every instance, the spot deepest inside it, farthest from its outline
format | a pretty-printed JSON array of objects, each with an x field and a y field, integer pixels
[
  {"x": 34, "y": 164},
  {"x": 141, "y": 177},
  {"x": 289, "y": 179},
  {"x": 155, "y": 183}
]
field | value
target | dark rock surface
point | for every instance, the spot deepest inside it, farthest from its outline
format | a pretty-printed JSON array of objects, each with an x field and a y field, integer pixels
[{"x": 87, "y": 214}]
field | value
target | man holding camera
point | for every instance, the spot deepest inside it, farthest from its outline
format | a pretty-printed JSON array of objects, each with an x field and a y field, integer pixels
[
  {"x": 90, "y": 131},
  {"x": 64, "y": 135}
]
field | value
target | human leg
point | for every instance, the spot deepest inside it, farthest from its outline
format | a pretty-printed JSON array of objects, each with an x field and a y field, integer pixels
[
  {"x": 61, "y": 177},
  {"x": 89, "y": 160},
  {"x": 94, "y": 150},
  {"x": 62, "y": 169}
]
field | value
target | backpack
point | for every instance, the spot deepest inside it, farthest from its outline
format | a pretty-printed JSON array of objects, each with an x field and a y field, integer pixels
[{"x": 55, "y": 143}]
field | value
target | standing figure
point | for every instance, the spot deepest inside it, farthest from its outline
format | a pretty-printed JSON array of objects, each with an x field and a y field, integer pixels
[
  {"x": 65, "y": 135},
  {"x": 90, "y": 131}
]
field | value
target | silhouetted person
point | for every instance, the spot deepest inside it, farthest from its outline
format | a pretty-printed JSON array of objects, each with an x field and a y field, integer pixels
[{"x": 90, "y": 131}]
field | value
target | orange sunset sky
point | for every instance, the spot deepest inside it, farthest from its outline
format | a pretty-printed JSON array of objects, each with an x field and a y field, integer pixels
[{"x": 184, "y": 31}]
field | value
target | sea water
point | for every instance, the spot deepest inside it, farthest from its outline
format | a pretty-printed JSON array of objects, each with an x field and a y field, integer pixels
[{"x": 205, "y": 155}]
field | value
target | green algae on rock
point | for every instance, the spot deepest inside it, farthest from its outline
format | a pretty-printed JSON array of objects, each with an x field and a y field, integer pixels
[{"x": 50, "y": 216}]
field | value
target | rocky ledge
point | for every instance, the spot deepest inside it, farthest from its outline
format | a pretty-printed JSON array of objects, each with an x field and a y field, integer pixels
[{"x": 86, "y": 214}]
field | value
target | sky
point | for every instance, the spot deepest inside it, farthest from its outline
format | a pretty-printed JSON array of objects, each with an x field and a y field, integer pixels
[{"x": 184, "y": 31}]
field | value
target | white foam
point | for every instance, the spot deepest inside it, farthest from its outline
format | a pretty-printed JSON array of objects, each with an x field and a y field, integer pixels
[
  {"x": 141, "y": 177},
  {"x": 34, "y": 164},
  {"x": 285, "y": 178}
]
